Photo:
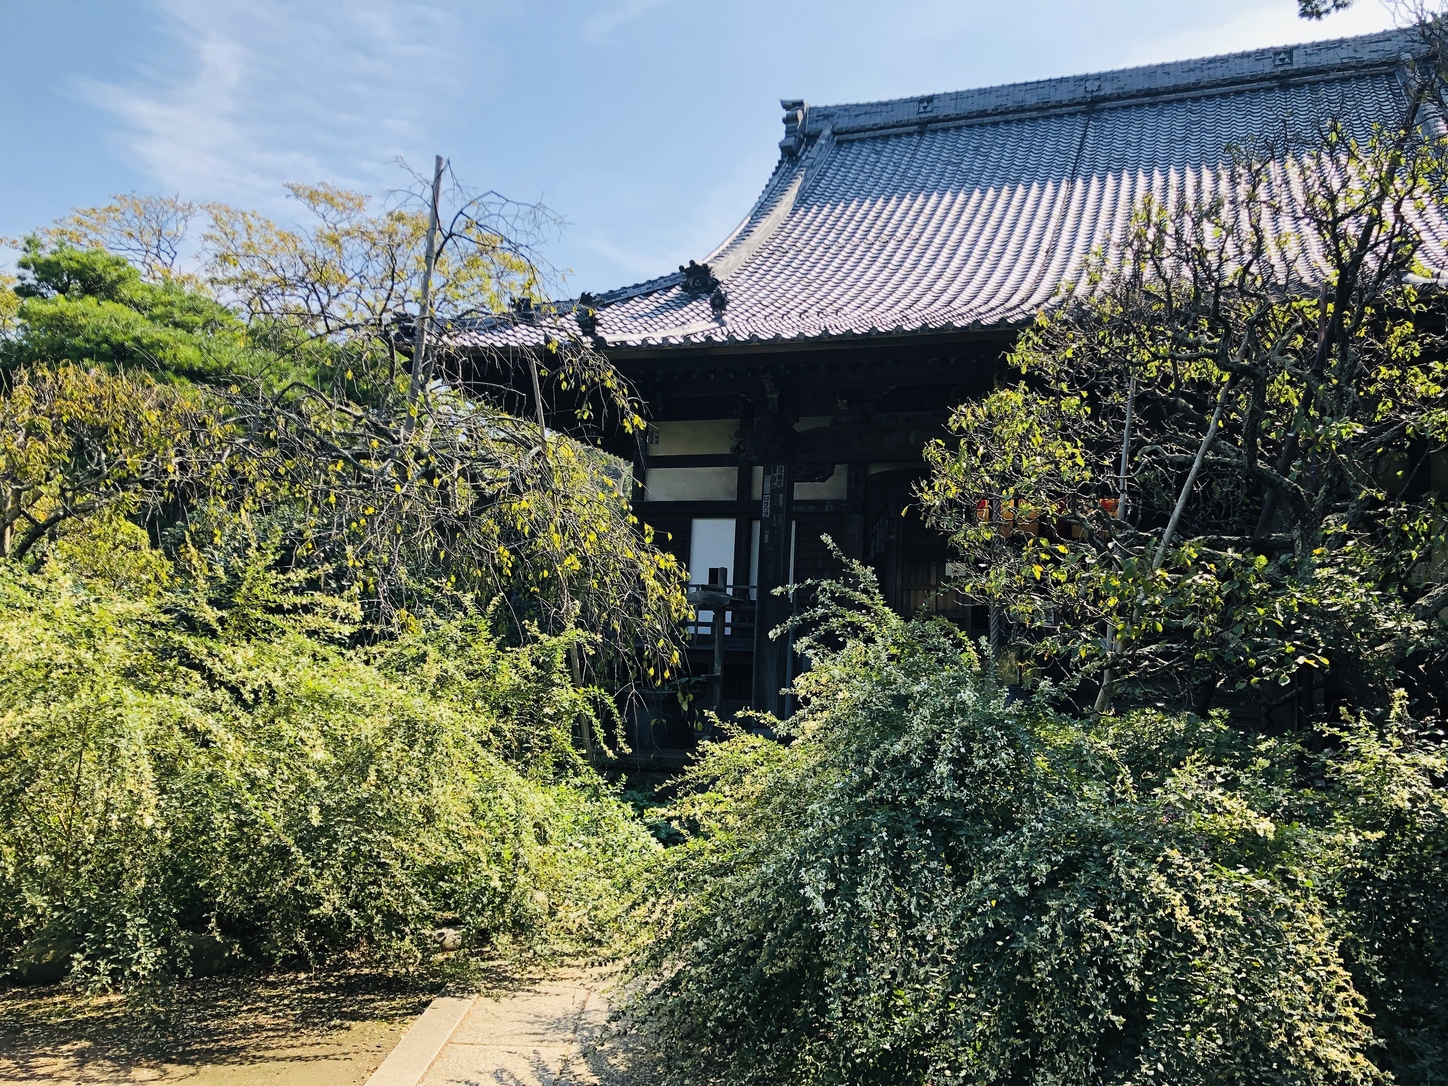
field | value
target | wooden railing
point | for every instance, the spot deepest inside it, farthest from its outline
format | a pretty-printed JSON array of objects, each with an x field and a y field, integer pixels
[{"x": 739, "y": 615}]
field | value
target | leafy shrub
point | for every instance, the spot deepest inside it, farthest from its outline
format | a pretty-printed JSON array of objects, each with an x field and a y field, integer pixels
[
  {"x": 1386, "y": 820},
  {"x": 173, "y": 775},
  {"x": 936, "y": 883}
]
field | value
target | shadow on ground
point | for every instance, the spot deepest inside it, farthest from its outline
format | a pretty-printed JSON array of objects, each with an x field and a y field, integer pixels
[
  {"x": 325, "y": 1028},
  {"x": 329, "y": 1026}
]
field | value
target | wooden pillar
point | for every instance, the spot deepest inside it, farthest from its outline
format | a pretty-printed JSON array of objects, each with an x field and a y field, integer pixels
[
  {"x": 743, "y": 527},
  {"x": 770, "y": 655}
]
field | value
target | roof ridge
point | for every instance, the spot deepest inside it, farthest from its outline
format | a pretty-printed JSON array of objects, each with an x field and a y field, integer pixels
[
  {"x": 963, "y": 218},
  {"x": 1367, "y": 51}
]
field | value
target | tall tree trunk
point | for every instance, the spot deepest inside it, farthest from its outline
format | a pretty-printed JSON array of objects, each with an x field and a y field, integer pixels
[{"x": 421, "y": 364}]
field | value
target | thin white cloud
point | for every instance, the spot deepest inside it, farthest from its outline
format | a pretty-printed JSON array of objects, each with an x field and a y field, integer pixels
[
  {"x": 597, "y": 28},
  {"x": 259, "y": 92}
]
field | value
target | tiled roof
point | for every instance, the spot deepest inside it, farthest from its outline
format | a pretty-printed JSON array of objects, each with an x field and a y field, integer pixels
[{"x": 977, "y": 208}]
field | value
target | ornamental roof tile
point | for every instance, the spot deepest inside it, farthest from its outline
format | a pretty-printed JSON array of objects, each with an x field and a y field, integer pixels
[{"x": 981, "y": 207}]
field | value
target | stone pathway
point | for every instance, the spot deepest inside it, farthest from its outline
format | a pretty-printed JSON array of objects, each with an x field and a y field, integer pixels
[{"x": 553, "y": 1032}]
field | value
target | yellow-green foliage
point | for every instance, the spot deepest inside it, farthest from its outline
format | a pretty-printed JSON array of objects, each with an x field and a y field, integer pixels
[
  {"x": 169, "y": 770},
  {"x": 937, "y": 883},
  {"x": 80, "y": 442}
]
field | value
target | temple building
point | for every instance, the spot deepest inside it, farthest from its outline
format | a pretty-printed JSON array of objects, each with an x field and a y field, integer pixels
[{"x": 793, "y": 374}]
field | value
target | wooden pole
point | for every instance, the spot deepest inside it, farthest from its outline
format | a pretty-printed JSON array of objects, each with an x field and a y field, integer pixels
[{"x": 421, "y": 368}]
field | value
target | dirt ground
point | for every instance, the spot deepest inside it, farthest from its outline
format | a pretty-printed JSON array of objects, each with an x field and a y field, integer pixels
[
  {"x": 546, "y": 1026},
  {"x": 319, "y": 1029}
]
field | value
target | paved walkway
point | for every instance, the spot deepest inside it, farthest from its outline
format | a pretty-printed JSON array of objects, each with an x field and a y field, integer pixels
[{"x": 550, "y": 1033}]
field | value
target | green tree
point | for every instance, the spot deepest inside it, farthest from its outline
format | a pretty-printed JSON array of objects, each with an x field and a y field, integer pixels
[
  {"x": 9, "y": 306},
  {"x": 352, "y": 276},
  {"x": 468, "y": 505},
  {"x": 427, "y": 498},
  {"x": 1321, "y": 9},
  {"x": 93, "y": 308},
  {"x": 299, "y": 653},
  {"x": 1213, "y": 475}
]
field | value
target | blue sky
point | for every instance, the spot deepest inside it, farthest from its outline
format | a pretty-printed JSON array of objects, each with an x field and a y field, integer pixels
[{"x": 650, "y": 125}]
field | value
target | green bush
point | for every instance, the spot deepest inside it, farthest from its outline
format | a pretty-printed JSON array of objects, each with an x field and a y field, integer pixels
[
  {"x": 178, "y": 779},
  {"x": 1385, "y": 819},
  {"x": 935, "y": 883}
]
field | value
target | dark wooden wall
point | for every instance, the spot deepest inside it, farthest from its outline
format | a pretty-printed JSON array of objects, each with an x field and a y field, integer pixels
[{"x": 882, "y": 402}]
